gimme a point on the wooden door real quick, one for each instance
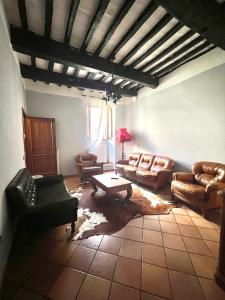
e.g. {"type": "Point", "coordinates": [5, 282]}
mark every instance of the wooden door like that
{"type": "Point", "coordinates": [40, 145]}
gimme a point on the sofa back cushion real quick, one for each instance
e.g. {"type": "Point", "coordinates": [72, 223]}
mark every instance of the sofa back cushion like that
{"type": "Point", "coordinates": [86, 159]}
{"type": "Point", "coordinates": [21, 191]}
{"type": "Point", "coordinates": [162, 162]}
{"type": "Point", "coordinates": [146, 161]}
{"type": "Point", "coordinates": [206, 172]}
{"type": "Point", "coordinates": [134, 159]}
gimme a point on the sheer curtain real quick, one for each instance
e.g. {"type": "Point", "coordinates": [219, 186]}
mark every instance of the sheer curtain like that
{"type": "Point", "coordinates": [97, 123]}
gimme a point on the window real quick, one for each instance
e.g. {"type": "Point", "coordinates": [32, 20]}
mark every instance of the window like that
{"type": "Point", "coordinates": [94, 115]}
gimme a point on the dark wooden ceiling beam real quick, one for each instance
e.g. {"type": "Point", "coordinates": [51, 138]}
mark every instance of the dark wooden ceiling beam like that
{"type": "Point", "coordinates": [72, 15]}
{"type": "Point", "coordinates": [95, 22]}
{"type": "Point", "coordinates": [163, 22]}
{"type": "Point", "coordinates": [176, 54]}
{"type": "Point", "coordinates": [182, 59]}
{"type": "Point", "coordinates": [70, 80]}
{"type": "Point", "coordinates": [122, 13]}
{"type": "Point", "coordinates": [158, 44]}
{"type": "Point", "coordinates": [192, 58]}
{"type": "Point", "coordinates": [150, 9]}
{"type": "Point", "coordinates": [33, 44]}
{"type": "Point", "coordinates": [203, 16]}
{"type": "Point", "coordinates": [23, 14]}
{"type": "Point", "coordinates": [48, 17]}
{"type": "Point", "coordinates": [177, 43]}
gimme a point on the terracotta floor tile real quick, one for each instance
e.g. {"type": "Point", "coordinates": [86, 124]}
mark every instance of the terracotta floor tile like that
{"type": "Point", "coordinates": [196, 246]}
{"type": "Point", "coordinates": [154, 255]}
{"type": "Point", "coordinates": [187, 230]}
{"type": "Point", "coordinates": [179, 211]}
{"type": "Point", "coordinates": [155, 280]}
{"type": "Point", "coordinates": [94, 288]}
{"type": "Point", "coordinates": [133, 233]}
{"type": "Point", "coordinates": [211, 289]}
{"type": "Point", "coordinates": [18, 272]}
{"type": "Point", "coordinates": [110, 244]}
{"type": "Point", "coordinates": [167, 218]}
{"type": "Point", "coordinates": [121, 292]}
{"type": "Point", "coordinates": [205, 266]}
{"type": "Point", "coordinates": [62, 252]}
{"type": "Point", "coordinates": [185, 286]}
{"type": "Point", "coordinates": [152, 237]}
{"type": "Point", "coordinates": [173, 241]}
{"type": "Point", "coordinates": [81, 259]}
{"type": "Point", "coordinates": [136, 222]}
{"type": "Point", "coordinates": [92, 242]}
{"type": "Point", "coordinates": [151, 224]}
{"type": "Point", "coordinates": [128, 272]}
{"type": "Point", "coordinates": [179, 261]}
{"type": "Point", "coordinates": [103, 265]}
{"type": "Point", "coordinates": [42, 280]}
{"type": "Point", "coordinates": [27, 295]}
{"type": "Point", "coordinates": [215, 225]}
{"type": "Point", "coordinates": [209, 234]}
{"type": "Point", "coordinates": [169, 227]}
{"type": "Point", "coordinates": [193, 213]}
{"type": "Point", "coordinates": [152, 217]}
{"type": "Point", "coordinates": [67, 285]}
{"type": "Point", "coordinates": [131, 249]}
{"type": "Point", "coordinates": [119, 233]}
{"type": "Point", "coordinates": [184, 220]}
{"type": "Point", "coordinates": [201, 222]}
{"type": "Point", "coordinates": [147, 296]}
{"type": "Point", "coordinates": [8, 290]}
{"type": "Point", "coordinates": [213, 247]}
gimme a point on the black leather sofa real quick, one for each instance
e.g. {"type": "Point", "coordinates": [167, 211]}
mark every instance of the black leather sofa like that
{"type": "Point", "coordinates": [41, 203]}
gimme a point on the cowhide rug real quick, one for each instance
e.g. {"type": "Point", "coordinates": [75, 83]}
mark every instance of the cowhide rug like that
{"type": "Point", "coordinates": [99, 214]}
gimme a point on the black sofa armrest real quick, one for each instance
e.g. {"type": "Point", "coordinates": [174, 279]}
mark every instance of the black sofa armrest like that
{"type": "Point", "coordinates": [46, 180]}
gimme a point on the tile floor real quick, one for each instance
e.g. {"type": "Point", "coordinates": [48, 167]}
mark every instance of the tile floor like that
{"type": "Point", "coordinates": [154, 257]}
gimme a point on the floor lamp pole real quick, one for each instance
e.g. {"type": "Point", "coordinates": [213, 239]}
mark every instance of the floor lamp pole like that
{"type": "Point", "coordinates": [123, 156]}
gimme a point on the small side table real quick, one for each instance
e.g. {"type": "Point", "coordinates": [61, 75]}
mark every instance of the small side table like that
{"type": "Point", "coordinates": [220, 272]}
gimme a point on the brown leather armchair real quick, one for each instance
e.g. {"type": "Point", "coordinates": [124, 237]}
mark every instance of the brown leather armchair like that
{"type": "Point", "coordinates": [88, 166]}
{"type": "Point", "coordinates": [199, 188]}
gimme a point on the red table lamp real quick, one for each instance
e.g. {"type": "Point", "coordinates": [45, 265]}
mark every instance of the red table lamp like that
{"type": "Point", "coordinates": [122, 136]}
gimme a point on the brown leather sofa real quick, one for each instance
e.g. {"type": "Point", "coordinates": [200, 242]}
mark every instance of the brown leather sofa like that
{"type": "Point", "coordinates": [149, 169]}
{"type": "Point", "coordinates": [88, 166]}
{"type": "Point", "coordinates": [199, 188]}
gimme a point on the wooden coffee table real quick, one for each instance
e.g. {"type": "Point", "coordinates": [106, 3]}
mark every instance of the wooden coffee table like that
{"type": "Point", "coordinates": [112, 184]}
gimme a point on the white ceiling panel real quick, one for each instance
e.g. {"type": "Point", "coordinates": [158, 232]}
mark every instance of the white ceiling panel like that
{"type": "Point", "coordinates": [36, 15]}
{"type": "Point", "coordinates": [24, 59]}
{"type": "Point", "coordinates": [12, 11]}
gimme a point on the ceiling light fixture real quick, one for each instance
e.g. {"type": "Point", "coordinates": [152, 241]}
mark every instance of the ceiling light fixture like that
{"type": "Point", "coordinates": [112, 95]}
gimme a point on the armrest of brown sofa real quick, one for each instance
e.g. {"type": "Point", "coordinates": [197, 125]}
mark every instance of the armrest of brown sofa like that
{"type": "Point", "coordinates": [214, 186]}
{"type": "Point", "coordinates": [122, 161]}
{"type": "Point", "coordinates": [182, 176]}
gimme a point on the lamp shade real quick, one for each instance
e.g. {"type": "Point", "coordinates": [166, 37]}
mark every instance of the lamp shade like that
{"type": "Point", "coordinates": [123, 135]}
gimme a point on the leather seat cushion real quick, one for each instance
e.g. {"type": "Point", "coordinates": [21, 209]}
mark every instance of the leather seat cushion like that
{"type": "Point", "coordinates": [92, 169]}
{"type": "Point", "coordinates": [130, 169]}
{"type": "Point", "coordinates": [120, 166]}
{"type": "Point", "coordinates": [148, 175]}
{"type": "Point", "coordinates": [189, 191]}
{"type": "Point", "coordinates": [53, 189]}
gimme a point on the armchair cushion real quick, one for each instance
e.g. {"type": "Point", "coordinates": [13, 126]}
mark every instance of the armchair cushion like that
{"type": "Point", "coordinates": [188, 190]}
{"type": "Point", "coordinates": [146, 161]}
{"type": "Point", "coordinates": [161, 162]}
{"type": "Point", "coordinates": [134, 159]}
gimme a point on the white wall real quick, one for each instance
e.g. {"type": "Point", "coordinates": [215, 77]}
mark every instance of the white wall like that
{"type": "Point", "coordinates": [185, 122]}
{"type": "Point", "coordinates": [12, 99]}
{"type": "Point", "coordinates": [69, 114]}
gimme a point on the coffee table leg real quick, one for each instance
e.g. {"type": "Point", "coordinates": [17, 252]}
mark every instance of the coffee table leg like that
{"type": "Point", "coordinates": [129, 193]}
